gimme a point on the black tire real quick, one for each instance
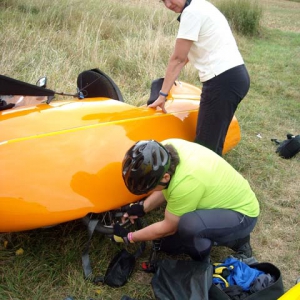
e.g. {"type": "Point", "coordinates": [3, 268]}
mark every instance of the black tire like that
{"type": "Point", "coordinates": [107, 219]}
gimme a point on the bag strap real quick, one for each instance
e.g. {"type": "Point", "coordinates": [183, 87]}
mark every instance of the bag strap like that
{"type": "Point", "coordinates": [86, 262]}
{"type": "Point", "coordinates": [141, 247]}
{"type": "Point", "coordinates": [277, 142]}
{"type": "Point", "coordinates": [289, 136]}
{"type": "Point", "coordinates": [150, 266]}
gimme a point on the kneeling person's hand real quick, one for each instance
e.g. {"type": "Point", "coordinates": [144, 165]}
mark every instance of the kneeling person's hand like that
{"type": "Point", "coordinates": [120, 234]}
{"type": "Point", "coordinates": [136, 210]}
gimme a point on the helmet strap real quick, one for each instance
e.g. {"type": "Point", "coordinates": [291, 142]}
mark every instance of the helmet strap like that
{"type": "Point", "coordinates": [165, 184]}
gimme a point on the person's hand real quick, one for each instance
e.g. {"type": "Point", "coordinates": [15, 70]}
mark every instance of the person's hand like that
{"type": "Point", "coordinates": [159, 102]}
{"type": "Point", "coordinates": [136, 209]}
{"type": "Point", "coordinates": [120, 234]}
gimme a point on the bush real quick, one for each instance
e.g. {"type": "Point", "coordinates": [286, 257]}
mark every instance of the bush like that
{"type": "Point", "coordinates": [243, 15]}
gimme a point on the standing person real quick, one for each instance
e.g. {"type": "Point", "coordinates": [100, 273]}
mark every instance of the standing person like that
{"type": "Point", "coordinates": [206, 41]}
{"type": "Point", "coordinates": [207, 201]}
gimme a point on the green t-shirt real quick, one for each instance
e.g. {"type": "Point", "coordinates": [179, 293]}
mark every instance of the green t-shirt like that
{"type": "Point", "coordinates": [204, 180]}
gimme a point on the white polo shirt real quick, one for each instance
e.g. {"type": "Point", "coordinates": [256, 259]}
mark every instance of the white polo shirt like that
{"type": "Point", "coordinates": [214, 50]}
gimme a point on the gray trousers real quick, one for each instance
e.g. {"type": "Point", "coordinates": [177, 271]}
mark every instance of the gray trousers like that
{"type": "Point", "coordinates": [199, 230]}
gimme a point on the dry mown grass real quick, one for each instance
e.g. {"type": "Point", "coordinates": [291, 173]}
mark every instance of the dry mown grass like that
{"type": "Point", "coordinates": [282, 15]}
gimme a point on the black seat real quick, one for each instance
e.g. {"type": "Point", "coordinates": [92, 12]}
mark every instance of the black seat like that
{"type": "Point", "coordinates": [155, 88]}
{"type": "Point", "coordinates": [95, 83]}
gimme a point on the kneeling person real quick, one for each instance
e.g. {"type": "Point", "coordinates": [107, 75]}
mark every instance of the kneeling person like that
{"type": "Point", "coordinates": [208, 201]}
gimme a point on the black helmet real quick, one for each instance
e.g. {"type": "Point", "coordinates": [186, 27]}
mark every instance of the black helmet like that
{"type": "Point", "coordinates": [144, 165]}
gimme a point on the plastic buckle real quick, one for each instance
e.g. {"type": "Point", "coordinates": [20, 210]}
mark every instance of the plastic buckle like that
{"type": "Point", "coordinates": [148, 267]}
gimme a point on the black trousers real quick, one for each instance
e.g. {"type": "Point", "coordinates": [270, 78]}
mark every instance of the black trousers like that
{"type": "Point", "coordinates": [220, 98]}
{"type": "Point", "coordinates": [199, 230]}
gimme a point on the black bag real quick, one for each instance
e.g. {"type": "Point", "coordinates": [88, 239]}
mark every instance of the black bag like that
{"type": "Point", "coordinates": [288, 148]}
{"type": "Point", "coordinates": [119, 269]}
{"type": "Point", "coordinates": [121, 266]}
{"type": "Point", "coordinates": [182, 279]}
{"type": "Point", "coordinates": [272, 292]}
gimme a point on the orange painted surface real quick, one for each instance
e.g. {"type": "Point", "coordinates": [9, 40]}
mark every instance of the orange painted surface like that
{"type": "Point", "coordinates": [59, 162]}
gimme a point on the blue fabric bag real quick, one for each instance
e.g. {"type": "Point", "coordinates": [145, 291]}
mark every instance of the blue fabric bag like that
{"type": "Point", "coordinates": [272, 292]}
{"type": "Point", "coordinates": [239, 273]}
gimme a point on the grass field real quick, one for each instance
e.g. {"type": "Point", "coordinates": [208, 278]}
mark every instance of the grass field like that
{"type": "Point", "coordinates": [131, 41]}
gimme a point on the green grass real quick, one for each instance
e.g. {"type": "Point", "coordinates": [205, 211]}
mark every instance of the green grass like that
{"type": "Point", "coordinates": [131, 41]}
{"type": "Point", "coordinates": [244, 16]}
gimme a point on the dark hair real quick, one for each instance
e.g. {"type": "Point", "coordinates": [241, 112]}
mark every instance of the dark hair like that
{"type": "Point", "coordinates": [175, 160]}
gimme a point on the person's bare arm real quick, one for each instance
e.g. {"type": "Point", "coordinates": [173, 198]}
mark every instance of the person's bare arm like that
{"type": "Point", "coordinates": [176, 62]}
{"type": "Point", "coordinates": [153, 201]}
{"type": "Point", "coordinates": [157, 230]}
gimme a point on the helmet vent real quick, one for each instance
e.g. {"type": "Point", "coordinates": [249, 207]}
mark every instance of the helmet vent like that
{"type": "Point", "coordinates": [154, 160]}
{"type": "Point", "coordinates": [137, 163]}
{"type": "Point", "coordinates": [127, 164]}
{"type": "Point", "coordinates": [139, 150]}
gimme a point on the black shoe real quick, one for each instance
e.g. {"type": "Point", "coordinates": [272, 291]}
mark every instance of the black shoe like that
{"type": "Point", "coordinates": [242, 246]}
{"type": "Point", "coordinates": [247, 260]}
{"type": "Point", "coordinates": [244, 254]}
{"type": "Point", "coordinates": [244, 250]}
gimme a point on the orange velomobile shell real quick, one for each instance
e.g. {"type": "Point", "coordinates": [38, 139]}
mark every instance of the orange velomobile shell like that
{"type": "Point", "coordinates": [61, 161]}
